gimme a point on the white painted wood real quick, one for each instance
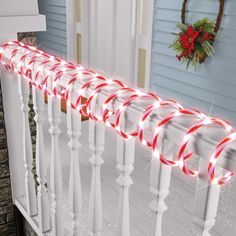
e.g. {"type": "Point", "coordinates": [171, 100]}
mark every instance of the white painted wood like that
{"type": "Point", "coordinates": [125, 162]}
{"type": "Point", "coordinates": [75, 195]}
{"type": "Point", "coordinates": [42, 195]}
{"type": "Point", "coordinates": [96, 137]}
{"type": "Point", "coordinates": [139, 17]}
{"type": "Point", "coordinates": [14, 130]}
{"type": "Point", "coordinates": [125, 167]}
{"type": "Point", "coordinates": [144, 36]}
{"type": "Point", "coordinates": [14, 7]}
{"type": "Point", "coordinates": [84, 32]}
{"type": "Point", "coordinates": [30, 220]}
{"type": "Point", "coordinates": [159, 186]}
{"type": "Point", "coordinates": [106, 28]}
{"type": "Point", "coordinates": [16, 16]}
{"type": "Point", "coordinates": [149, 27]}
{"type": "Point", "coordinates": [206, 202]}
{"type": "Point", "coordinates": [109, 37]}
{"type": "Point", "coordinates": [92, 38]}
{"type": "Point", "coordinates": [10, 24]}
{"type": "Point", "coordinates": [54, 112]}
{"type": "Point", "coordinates": [30, 192]}
{"type": "Point", "coordinates": [71, 30]}
{"type": "Point", "coordinates": [126, 18]}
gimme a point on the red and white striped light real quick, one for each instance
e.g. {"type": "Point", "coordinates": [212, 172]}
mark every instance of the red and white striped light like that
{"type": "Point", "coordinates": [45, 71]}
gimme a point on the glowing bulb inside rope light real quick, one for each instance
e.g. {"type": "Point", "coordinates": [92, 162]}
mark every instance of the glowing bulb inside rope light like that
{"type": "Point", "coordinates": [104, 106]}
{"type": "Point", "coordinates": [177, 113]}
{"type": "Point", "coordinates": [140, 93]}
{"type": "Point", "coordinates": [40, 68]}
{"type": "Point", "coordinates": [181, 164]}
{"type": "Point", "coordinates": [156, 104]}
{"type": "Point", "coordinates": [186, 138]}
{"type": "Point", "coordinates": [232, 136]}
{"type": "Point", "coordinates": [141, 124]}
{"type": "Point", "coordinates": [207, 121]}
{"type": "Point", "coordinates": [122, 108]}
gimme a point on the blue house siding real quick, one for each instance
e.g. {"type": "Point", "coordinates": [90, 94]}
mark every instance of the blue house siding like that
{"type": "Point", "coordinates": [212, 86]}
{"type": "Point", "coordinates": [54, 39]}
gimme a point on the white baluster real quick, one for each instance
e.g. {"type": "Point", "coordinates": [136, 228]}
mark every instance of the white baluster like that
{"type": "Point", "coordinates": [96, 136]}
{"type": "Point", "coordinates": [30, 191]}
{"type": "Point", "coordinates": [125, 162]}
{"type": "Point", "coordinates": [75, 196]}
{"type": "Point", "coordinates": [159, 186]}
{"type": "Point", "coordinates": [54, 105]}
{"type": "Point", "coordinates": [206, 202]}
{"type": "Point", "coordinates": [43, 201]}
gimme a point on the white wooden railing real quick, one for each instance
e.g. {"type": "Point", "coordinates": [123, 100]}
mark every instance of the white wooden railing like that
{"type": "Point", "coordinates": [44, 206]}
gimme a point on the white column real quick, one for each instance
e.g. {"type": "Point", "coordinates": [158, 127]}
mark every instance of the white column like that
{"type": "Point", "coordinates": [43, 198]}
{"type": "Point", "coordinates": [96, 136]}
{"type": "Point", "coordinates": [75, 196]}
{"type": "Point", "coordinates": [31, 202]}
{"type": "Point", "coordinates": [206, 202]}
{"type": "Point", "coordinates": [92, 35]}
{"type": "Point", "coordinates": [159, 186]}
{"type": "Point", "coordinates": [54, 105]}
{"type": "Point", "coordinates": [125, 38]}
{"type": "Point", "coordinates": [125, 162]}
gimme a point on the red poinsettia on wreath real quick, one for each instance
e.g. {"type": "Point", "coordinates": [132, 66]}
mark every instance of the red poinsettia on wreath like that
{"type": "Point", "coordinates": [194, 43]}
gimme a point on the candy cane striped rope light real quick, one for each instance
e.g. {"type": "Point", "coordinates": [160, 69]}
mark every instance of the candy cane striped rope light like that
{"type": "Point", "coordinates": [45, 71]}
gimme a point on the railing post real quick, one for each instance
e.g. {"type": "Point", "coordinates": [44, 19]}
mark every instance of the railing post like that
{"type": "Point", "coordinates": [14, 129]}
{"type": "Point", "coordinates": [31, 202]}
{"type": "Point", "coordinates": [43, 201]}
{"type": "Point", "coordinates": [96, 136]}
{"type": "Point", "coordinates": [75, 196]}
{"type": "Point", "coordinates": [125, 162]}
{"type": "Point", "coordinates": [160, 177]}
{"type": "Point", "coordinates": [206, 202]}
{"type": "Point", "coordinates": [54, 105]}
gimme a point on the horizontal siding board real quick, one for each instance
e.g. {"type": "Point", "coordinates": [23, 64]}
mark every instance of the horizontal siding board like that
{"type": "Point", "coordinates": [227, 43]}
{"type": "Point", "coordinates": [214, 86]}
{"type": "Point", "coordinates": [57, 17]}
{"type": "Point", "coordinates": [182, 97]}
{"type": "Point", "coordinates": [205, 95]}
{"type": "Point", "coordinates": [170, 27]}
{"type": "Point", "coordinates": [218, 61]}
{"type": "Point", "coordinates": [54, 39]}
{"type": "Point", "coordinates": [53, 9]}
{"type": "Point", "coordinates": [214, 76]}
{"type": "Point", "coordinates": [205, 70]}
{"type": "Point", "coordinates": [56, 25]}
{"type": "Point", "coordinates": [205, 6]}
{"type": "Point", "coordinates": [56, 32]}
{"type": "Point", "coordinates": [212, 82]}
{"type": "Point", "coordinates": [52, 46]}
{"type": "Point", "coordinates": [60, 3]}
{"type": "Point", "coordinates": [225, 35]}
{"type": "Point", "coordinates": [174, 16]}
{"type": "Point", "coordinates": [51, 51]}
{"type": "Point", "coordinates": [221, 48]}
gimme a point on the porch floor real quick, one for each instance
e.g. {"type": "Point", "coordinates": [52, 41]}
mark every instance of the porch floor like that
{"type": "Point", "coordinates": [177, 219]}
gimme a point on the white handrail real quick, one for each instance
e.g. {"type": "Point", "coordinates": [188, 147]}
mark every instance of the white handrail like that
{"type": "Point", "coordinates": [173, 131]}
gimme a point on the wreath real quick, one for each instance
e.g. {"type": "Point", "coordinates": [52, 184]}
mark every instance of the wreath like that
{"type": "Point", "coordinates": [194, 43]}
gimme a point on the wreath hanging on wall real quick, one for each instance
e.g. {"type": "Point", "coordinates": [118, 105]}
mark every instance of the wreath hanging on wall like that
{"type": "Point", "coordinates": [194, 43]}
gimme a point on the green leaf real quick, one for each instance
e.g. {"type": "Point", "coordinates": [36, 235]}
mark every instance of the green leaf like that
{"type": "Point", "coordinates": [182, 27]}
